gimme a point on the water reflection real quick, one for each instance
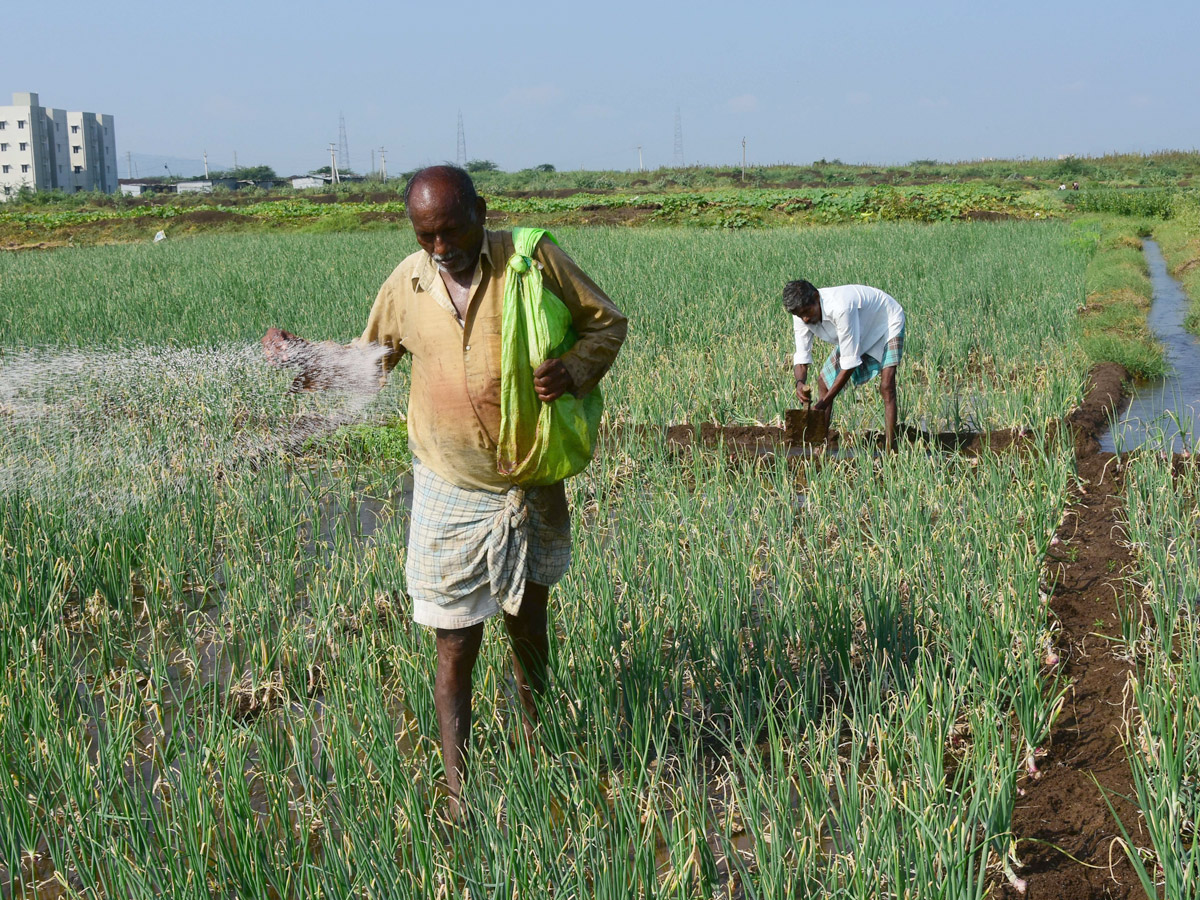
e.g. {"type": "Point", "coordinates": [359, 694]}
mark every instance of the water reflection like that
{"type": "Point", "coordinates": [1164, 412]}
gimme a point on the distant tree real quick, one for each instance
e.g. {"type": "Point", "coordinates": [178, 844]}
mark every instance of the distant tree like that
{"type": "Point", "coordinates": [324, 170]}
{"type": "Point", "coordinates": [255, 173]}
{"type": "Point", "coordinates": [246, 173]}
{"type": "Point", "coordinates": [544, 167]}
{"type": "Point", "coordinates": [482, 165]}
{"type": "Point", "coordinates": [1070, 166]}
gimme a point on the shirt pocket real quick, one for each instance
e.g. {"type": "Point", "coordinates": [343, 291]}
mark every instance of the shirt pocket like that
{"type": "Point", "coordinates": [487, 333]}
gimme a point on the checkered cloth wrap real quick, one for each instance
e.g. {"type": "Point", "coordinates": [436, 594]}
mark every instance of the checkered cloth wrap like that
{"type": "Point", "coordinates": [870, 366]}
{"type": "Point", "coordinates": [461, 539]}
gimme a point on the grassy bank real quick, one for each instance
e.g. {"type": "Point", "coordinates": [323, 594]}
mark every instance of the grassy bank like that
{"type": "Point", "coordinates": [1180, 242]}
{"type": "Point", "coordinates": [1118, 295]}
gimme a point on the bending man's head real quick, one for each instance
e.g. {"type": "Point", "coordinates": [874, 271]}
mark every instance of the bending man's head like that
{"type": "Point", "coordinates": [447, 216]}
{"type": "Point", "coordinates": [802, 300]}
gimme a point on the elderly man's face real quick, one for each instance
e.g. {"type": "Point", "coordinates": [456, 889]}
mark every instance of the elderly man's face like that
{"type": "Point", "coordinates": [448, 230]}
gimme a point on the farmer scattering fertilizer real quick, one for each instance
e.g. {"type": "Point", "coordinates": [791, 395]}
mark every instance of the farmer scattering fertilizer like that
{"type": "Point", "coordinates": [490, 528]}
{"type": "Point", "coordinates": [865, 327]}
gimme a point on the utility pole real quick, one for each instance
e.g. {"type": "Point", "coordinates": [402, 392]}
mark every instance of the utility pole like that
{"type": "Point", "coordinates": [639, 150]}
{"type": "Point", "coordinates": [743, 160]}
{"type": "Point", "coordinates": [343, 143]}
{"type": "Point", "coordinates": [333, 172]}
{"type": "Point", "coordinates": [678, 139]}
{"type": "Point", "coordinates": [235, 162]}
{"type": "Point", "coordinates": [129, 162]}
{"type": "Point", "coordinates": [372, 160]}
{"type": "Point", "coordinates": [383, 162]}
{"type": "Point", "coordinates": [460, 156]}
{"type": "Point", "coordinates": [206, 165]}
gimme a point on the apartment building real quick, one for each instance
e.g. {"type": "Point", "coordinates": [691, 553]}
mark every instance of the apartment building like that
{"type": "Point", "coordinates": [49, 149]}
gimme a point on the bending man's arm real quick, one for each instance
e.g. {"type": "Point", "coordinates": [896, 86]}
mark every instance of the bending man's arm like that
{"type": "Point", "coordinates": [802, 359]}
{"type": "Point", "coordinates": [803, 391]}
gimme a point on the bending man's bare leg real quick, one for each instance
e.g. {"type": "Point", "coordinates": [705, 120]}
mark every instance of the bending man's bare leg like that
{"type": "Point", "coordinates": [890, 394]}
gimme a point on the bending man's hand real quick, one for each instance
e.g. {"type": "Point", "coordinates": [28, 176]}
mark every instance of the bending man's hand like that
{"type": "Point", "coordinates": [804, 394]}
{"type": "Point", "coordinates": [551, 380]}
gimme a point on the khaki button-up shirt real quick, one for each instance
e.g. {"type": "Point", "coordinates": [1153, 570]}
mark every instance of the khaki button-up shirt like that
{"type": "Point", "coordinates": [454, 402]}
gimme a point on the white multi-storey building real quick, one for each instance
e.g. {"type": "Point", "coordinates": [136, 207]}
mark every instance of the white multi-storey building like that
{"type": "Point", "coordinates": [51, 149]}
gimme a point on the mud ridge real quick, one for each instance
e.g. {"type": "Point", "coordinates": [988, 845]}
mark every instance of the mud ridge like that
{"type": "Point", "coordinates": [1064, 814]}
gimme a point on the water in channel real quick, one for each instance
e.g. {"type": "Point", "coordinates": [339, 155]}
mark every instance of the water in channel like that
{"type": "Point", "coordinates": [1165, 412]}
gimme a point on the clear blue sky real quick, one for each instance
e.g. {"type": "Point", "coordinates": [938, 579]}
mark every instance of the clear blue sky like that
{"type": "Point", "coordinates": [584, 84]}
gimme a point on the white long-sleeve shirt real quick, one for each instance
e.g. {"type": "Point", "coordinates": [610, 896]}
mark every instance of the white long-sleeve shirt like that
{"type": "Point", "coordinates": [856, 319]}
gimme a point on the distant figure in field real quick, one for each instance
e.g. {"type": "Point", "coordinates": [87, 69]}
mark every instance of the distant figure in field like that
{"type": "Point", "coordinates": [865, 327]}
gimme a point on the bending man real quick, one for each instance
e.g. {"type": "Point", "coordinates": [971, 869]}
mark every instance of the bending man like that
{"type": "Point", "coordinates": [478, 545]}
{"type": "Point", "coordinates": [865, 327]}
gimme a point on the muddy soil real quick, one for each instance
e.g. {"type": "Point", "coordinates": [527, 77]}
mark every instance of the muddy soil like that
{"type": "Point", "coordinates": [1064, 814]}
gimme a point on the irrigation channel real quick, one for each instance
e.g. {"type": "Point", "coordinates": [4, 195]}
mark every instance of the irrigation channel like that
{"type": "Point", "coordinates": [1163, 412]}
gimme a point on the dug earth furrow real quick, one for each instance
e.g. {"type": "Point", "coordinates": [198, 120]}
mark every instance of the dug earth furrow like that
{"type": "Point", "coordinates": [1067, 837]}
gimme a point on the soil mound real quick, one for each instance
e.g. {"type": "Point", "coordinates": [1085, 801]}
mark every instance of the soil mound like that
{"type": "Point", "coordinates": [209, 217]}
{"type": "Point", "coordinates": [1101, 402]}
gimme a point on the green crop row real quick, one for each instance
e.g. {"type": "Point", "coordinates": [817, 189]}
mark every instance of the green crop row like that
{"type": "Point", "coordinates": [709, 338]}
{"type": "Point", "coordinates": [1162, 634]}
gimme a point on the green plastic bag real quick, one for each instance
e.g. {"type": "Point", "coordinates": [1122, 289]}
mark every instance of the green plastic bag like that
{"type": "Point", "coordinates": [540, 443]}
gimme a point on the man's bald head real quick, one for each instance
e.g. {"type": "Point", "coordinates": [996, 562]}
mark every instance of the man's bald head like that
{"type": "Point", "coordinates": [447, 217]}
{"type": "Point", "coordinates": [443, 184]}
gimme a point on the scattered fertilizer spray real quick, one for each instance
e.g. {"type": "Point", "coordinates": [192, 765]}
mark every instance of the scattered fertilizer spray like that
{"type": "Point", "coordinates": [107, 427]}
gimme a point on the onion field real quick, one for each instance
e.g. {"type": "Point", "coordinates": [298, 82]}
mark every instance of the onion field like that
{"type": "Point", "coordinates": [771, 677]}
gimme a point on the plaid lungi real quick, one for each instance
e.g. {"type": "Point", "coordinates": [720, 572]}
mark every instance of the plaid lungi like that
{"type": "Point", "coordinates": [461, 540]}
{"type": "Point", "coordinates": [870, 366]}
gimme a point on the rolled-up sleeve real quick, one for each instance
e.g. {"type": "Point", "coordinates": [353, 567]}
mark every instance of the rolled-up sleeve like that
{"type": "Point", "coordinates": [385, 326]}
{"type": "Point", "coordinates": [804, 342]}
{"type": "Point", "coordinates": [601, 326]}
{"type": "Point", "coordinates": [849, 339]}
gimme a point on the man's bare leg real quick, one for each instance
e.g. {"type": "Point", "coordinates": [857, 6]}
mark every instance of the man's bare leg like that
{"type": "Point", "coordinates": [457, 650]}
{"type": "Point", "coordinates": [889, 393]}
{"type": "Point", "coordinates": [530, 640]}
{"type": "Point", "coordinates": [822, 389]}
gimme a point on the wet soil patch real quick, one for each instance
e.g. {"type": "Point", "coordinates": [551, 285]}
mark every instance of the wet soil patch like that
{"type": "Point", "coordinates": [204, 217]}
{"type": "Point", "coordinates": [620, 215]}
{"type": "Point", "coordinates": [376, 215]}
{"type": "Point", "coordinates": [555, 193]}
{"type": "Point", "coordinates": [987, 215]}
{"type": "Point", "coordinates": [1102, 400]}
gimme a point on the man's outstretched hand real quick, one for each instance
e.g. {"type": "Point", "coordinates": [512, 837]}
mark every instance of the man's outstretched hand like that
{"type": "Point", "coordinates": [551, 380]}
{"type": "Point", "coordinates": [281, 346]}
